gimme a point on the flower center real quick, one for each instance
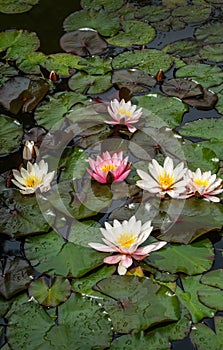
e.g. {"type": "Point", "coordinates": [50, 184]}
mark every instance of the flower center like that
{"type": "Point", "coordinates": [166, 181]}
{"type": "Point", "coordinates": [32, 181]}
{"type": "Point", "coordinates": [201, 182]}
{"type": "Point", "coordinates": [125, 112]}
{"type": "Point", "coordinates": [108, 167]}
{"type": "Point", "coordinates": [126, 239]}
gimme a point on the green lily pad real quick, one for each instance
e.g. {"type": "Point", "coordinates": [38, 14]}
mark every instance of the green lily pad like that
{"type": "Point", "coordinates": [183, 48]}
{"type": "Point", "coordinates": [212, 52]}
{"type": "Point", "coordinates": [17, 43]}
{"type": "Point", "coordinates": [52, 293]}
{"type": "Point", "coordinates": [24, 333]}
{"type": "Point", "coordinates": [61, 62]}
{"type": "Point", "coordinates": [112, 6]}
{"type": "Point", "coordinates": [89, 84]}
{"type": "Point", "coordinates": [48, 253]}
{"type": "Point", "coordinates": [96, 65]}
{"type": "Point", "coordinates": [199, 258]}
{"type": "Point", "coordinates": [30, 63]}
{"type": "Point", "coordinates": [153, 13]}
{"type": "Point", "coordinates": [15, 6]}
{"type": "Point", "coordinates": [157, 303]}
{"type": "Point", "coordinates": [206, 75]}
{"type": "Point", "coordinates": [148, 60]}
{"type": "Point", "coordinates": [106, 23]}
{"type": "Point", "coordinates": [162, 110]}
{"type": "Point", "coordinates": [213, 278]}
{"type": "Point", "coordinates": [192, 14]}
{"type": "Point", "coordinates": [204, 128]}
{"type": "Point", "coordinates": [140, 341]}
{"type": "Point", "coordinates": [74, 164]}
{"type": "Point", "coordinates": [10, 134]}
{"type": "Point", "coordinates": [203, 337]}
{"type": "Point", "coordinates": [83, 322]}
{"type": "Point", "coordinates": [189, 298]}
{"type": "Point", "coordinates": [135, 80]}
{"type": "Point", "coordinates": [216, 146]}
{"type": "Point", "coordinates": [212, 297]}
{"type": "Point", "coordinates": [20, 215]}
{"type": "Point", "coordinates": [82, 232]}
{"type": "Point", "coordinates": [191, 220]}
{"type": "Point", "coordinates": [16, 277]}
{"type": "Point", "coordinates": [6, 72]}
{"type": "Point", "coordinates": [51, 113]}
{"type": "Point", "coordinates": [133, 32]}
{"type": "Point", "coordinates": [83, 42]}
{"type": "Point", "coordinates": [209, 33]}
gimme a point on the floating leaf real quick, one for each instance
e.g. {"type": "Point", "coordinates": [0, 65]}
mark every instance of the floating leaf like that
{"type": "Point", "coordinates": [112, 6]}
{"type": "Point", "coordinates": [206, 101]}
{"type": "Point", "coordinates": [83, 322]}
{"type": "Point", "coordinates": [148, 60]}
{"type": "Point", "coordinates": [62, 62]}
{"type": "Point", "coordinates": [10, 134]}
{"type": "Point", "coordinates": [209, 33]}
{"type": "Point", "coordinates": [182, 88]}
{"type": "Point", "coordinates": [16, 6]}
{"type": "Point", "coordinates": [192, 14]}
{"type": "Point", "coordinates": [212, 52]}
{"type": "Point", "coordinates": [162, 110]}
{"type": "Point", "coordinates": [51, 293]}
{"type": "Point", "coordinates": [189, 298]}
{"type": "Point", "coordinates": [16, 277]}
{"type": "Point", "coordinates": [212, 297]}
{"type": "Point", "coordinates": [153, 13]}
{"type": "Point", "coordinates": [199, 257]}
{"type": "Point", "coordinates": [6, 72]}
{"type": "Point", "coordinates": [140, 341]}
{"type": "Point", "coordinates": [183, 48]}
{"type": "Point", "coordinates": [158, 304]}
{"type": "Point", "coordinates": [89, 84]}
{"type": "Point", "coordinates": [203, 337]}
{"type": "Point", "coordinates": [18, 43]}
{"type": "Point", "coordinates": [135, 80]}
{"type": "Point", "coordinates": [83, 42]}
{"type": "Point", "coordinates": [216, 146]}
{"type": "Point", "coordinates": [133, 32]}
{"type": "Point", "coordinates": [31, 63]}
{"type": "Point", "coordinates": [204, 128]}
{"type": "Point", "coordinates": [20, 215]}
{"type": "Point", "coordinates": [73, 165]}
{"type": "Point", "coordinates": [104, 22]}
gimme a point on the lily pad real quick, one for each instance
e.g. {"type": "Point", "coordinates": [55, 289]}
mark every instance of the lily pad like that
{"type": "Point", "coordinates": [16, 277]}
{"type": "Point", "coordinates": [15, 6]}
{"type": "Point", "coordinates": [133, 32]}
{"type": "Point", "coordinates": [212, 297]}
{"type": "Point", "coordinates": [207, 101]}
{"type": "Point", "coordinates": [189, 298]}
{"type": "Point", "coordinates": [158, 304]}
{"type": "Point", "coordinates": [182, 88]}
{"type": "Point", "coordinates": [17, 43]}
{"type": "Point", "coordinates": [89, 84]}
{"type": "Point", "coordinates": [204, 128]}
{"type": "Point", "coordinates": [148, 60]}
{"type": "Point", "coordinates": [83, 42]}
{"type": "Point", "coordinates": [10, 134]}
{"type": "Point", "coordinates": [107, 4]}
{"type": "Point", "coordinates": [140, 341]}
{"type": "Point", "coordinates": [163, 110]}
{"type": "Point", "coordinates": [209, 33]}
{"type": "Point", "coordinates": [183, 48]}
{"type": "Point", "coordinates": [50, 293]}
{"type": "Point", "coordinates": [106, 23]}
{"type": "Point", "coordinates": [199, 257]}
{"type": "Point", "coordinates": [203, 337]}
{"type": "Point", "coordinates": [61, 62]}
{"type": "Point", "coordinates": [6, 72]}
{"type": "Point", "coordinates": [135, 80]}
{"type": "Point", "coordinates": [192, 14]}
{"type": "Point", "coordinates": [206, 75]}
{"type": "Point", "coordinates": [212, 52]}
{"type": "Point", "coordinates": [74, 164]}
{"type": "Point", "coordinates": [83, 322]}
{"type": "Point", "coordinates": [20, 215]}
{"type": "Point", "coordinates": [96, 65]}
{"type": "Point", "coordinates": [31, 63]}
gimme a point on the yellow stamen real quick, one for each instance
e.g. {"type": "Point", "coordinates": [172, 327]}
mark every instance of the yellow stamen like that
{"type": "Point", "coordinates": [125, 112]}
{"type": "Point", "coordinates": [201, 182]}
{"type": "Point", "coordinates": [108, 167]}
{"type": "Point", "coordinates": [126, 239]}
{"type": "Point", "coordinates": [32, 181]}
{"type": "Point", "coordinates": [166, 181]}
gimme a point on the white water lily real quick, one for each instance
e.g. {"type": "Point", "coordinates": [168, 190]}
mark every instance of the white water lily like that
{"type": "Point", "coordinates": [124, 113]}
{"type": "Point", "coordinates": [163, 179]}
{"type": "Point", "coordinates": [30, 151]}
{"type": "Point", "coordinates": [34, 177]}
{"type": "Point", "coordinates": [124, 239]}
{"type": "Point", "coordinates": [203, 184]}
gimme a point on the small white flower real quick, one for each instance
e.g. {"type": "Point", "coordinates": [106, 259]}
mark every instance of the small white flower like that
{"type": "Point", "coordinates": [30, 151]}
{"type": "Point", "coordinates": [124, 113]}
{"type": "Point", "coordinates": [203, 184]}
{"type": "Point", "coordinates": [163, 179]}
{"type": "Point", "coordinates": [34, 177]}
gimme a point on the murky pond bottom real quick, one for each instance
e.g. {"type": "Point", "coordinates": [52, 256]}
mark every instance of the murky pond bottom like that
{"type": "Point", "coordinates": [56, 85]}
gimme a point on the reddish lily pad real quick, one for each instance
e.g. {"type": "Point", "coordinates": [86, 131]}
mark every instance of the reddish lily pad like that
{"type": "Point", "coordinates": [182, 88]}
{"type": "Point", "coordinates": [135, 80]}
{"type": "Point", "coordinates": [83, 42]}
{"type": "Point", "coordinates": [207, 101]}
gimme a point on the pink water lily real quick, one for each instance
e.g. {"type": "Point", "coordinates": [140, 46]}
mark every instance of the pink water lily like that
{"type": "Point", "coordinates": [203, 184]}
{"type": "Point", "coordinates": [163, 179]}
{"type": "Point", "coordinates": [124, 113]}
{"type": "Point", "coordinates": [109, 168]}
{"type": "Point", "coordinates": [124, 239]}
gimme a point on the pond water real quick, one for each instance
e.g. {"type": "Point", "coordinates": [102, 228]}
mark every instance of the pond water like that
{"type": "Point", "coordinates": [173, 298]}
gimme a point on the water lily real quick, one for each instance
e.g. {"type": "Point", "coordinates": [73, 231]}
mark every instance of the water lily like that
{"type": "Point", "coordinates": [203, 184]}
{"type": "Point", "coordinates": [30, 151]}
{"type": "Point", "coordinates": [124, 113]}
{"type": "Point", "coordinates": [109, 168]}
{"type": "Point", "coordinates": [34, 177]}
{"type": "Point", "coordinates": [163, 179]}
{"type": "Point", "coordinates": [124, 239]}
